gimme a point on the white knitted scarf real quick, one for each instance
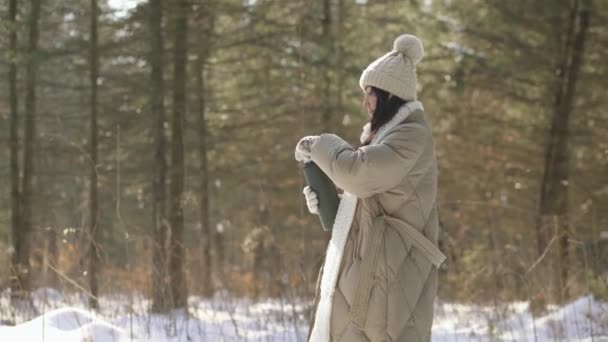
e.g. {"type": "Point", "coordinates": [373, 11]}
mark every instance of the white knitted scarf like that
{"type": "Point", "coordinates": [340, 230]}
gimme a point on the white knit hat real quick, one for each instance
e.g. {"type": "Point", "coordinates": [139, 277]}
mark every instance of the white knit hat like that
{"type": "Point", "coordinates": [395, 72]}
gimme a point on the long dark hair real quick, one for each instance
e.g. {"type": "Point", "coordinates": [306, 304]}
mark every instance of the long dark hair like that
{"type": "Point", "coordinates": [386, 108]}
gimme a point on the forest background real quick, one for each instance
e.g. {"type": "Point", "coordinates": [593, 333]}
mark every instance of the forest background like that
{"type": "Point", "coordinates": [148, 148]}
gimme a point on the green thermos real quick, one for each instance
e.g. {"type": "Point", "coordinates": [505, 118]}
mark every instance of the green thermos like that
{"type": "Point", "coordinates": [326, 191]}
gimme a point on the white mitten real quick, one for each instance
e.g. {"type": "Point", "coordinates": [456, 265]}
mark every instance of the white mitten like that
{"type": "Point", "coordinates": [311, 200]}
{"type": "Point", "coordinates": [302, 152]}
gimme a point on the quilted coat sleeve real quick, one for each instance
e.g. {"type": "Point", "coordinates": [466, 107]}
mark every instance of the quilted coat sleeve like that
{"type": "Point", "coordinates": [371, 169]}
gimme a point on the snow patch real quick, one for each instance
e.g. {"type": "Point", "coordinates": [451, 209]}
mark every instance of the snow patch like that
{"type": "Point", "coordinates": [224, 318]}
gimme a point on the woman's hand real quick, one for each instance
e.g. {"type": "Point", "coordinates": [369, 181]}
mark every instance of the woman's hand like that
{"type": "Point", "coordinates": [304, 146]}
{"type": "Point", "coordinates": [311, 200]}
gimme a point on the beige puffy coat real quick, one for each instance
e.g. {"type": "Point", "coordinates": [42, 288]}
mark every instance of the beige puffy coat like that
{"type": "Point", "coordinates": [379, 280]}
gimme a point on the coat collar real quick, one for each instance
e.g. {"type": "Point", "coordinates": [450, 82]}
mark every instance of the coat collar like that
{"type": "Point", "coordinates": [402, 114]}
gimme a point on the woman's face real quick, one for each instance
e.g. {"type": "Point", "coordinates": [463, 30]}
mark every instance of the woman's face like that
{"type": "Point", "coordinates": [369, 101]}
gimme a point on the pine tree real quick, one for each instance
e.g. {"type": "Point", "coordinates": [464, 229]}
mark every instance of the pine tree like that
{"type": "Point", "coordinates": [176, 245]}
{"type": "Point", "coordinates": [94, 231]}
{"type": "Point", "coordinates": [159, 259]}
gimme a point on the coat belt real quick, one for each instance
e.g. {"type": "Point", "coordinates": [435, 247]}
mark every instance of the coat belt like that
{"type": "Point", "coordinates": [368, 267]}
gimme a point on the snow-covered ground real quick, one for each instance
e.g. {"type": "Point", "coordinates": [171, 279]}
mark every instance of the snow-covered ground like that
{"type": "Point", "coordinates": [581, 320]}
{"type": "Point", "coordinates": [125, 318]}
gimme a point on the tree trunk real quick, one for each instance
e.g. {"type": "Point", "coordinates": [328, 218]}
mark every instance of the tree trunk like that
{"type": "Point", "coordinates": [554, 190]}
{"type": "Point", "coordinates": [340, 19]}
{"type": "Point", "coordinates": [51, 256]}
{"type": "Point", "coordinates": [207, 287]}
{"type": "Point", "coordinates": [204, 186]}
{"type": "Point", "coordinates": [94, 240]}
{"type": "Point", "coordinates": [327, 42]}
{"type": "Point", "coordinates": [176, 247]}
{"type": "Point", "coordinates": [14, 149]}
{"type": "Point", "coordinates": [219, 250]}
{"type": "Point", "coordinates": [157, 95]}
{"type": "Point", "coordinates": [339, 70]}
{"type": "Point", "coordinates": [24, 236]}
{"type": "Point", "coordinates": [545, 223]}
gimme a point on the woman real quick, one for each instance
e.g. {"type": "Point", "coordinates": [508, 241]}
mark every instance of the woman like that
{"type": "Point", "coordinates": [379, 279]}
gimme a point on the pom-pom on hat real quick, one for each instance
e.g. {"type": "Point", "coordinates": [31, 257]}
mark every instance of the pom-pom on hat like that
{"type": "Point", "coordinates": [395, 72]}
